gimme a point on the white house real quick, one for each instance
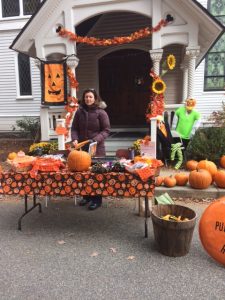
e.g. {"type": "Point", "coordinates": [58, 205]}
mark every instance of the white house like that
{"type": "Point", "coordinates": [119, 73]}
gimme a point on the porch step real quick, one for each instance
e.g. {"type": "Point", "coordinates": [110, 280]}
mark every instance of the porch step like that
{"type": "Point", "coordinates": [123, 139]}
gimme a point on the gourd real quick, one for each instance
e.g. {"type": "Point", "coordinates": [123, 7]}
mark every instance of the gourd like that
{"type": "Point", "coordinates": [219, 179]}
{"type": "Point", "coordinates": [78, 161]}
{"type": "Point", "coordinates": [159, 180]}
{"type": "Point", "coordinates": [208, 165]}
{"type": "Point", "coordinates": [181, 179]}
{"type": "Point", "coordinates": [200, 179]}
{"type": "Point", "coordinates": [191, 165]}
{"type": "Point", "coordinates": [222, 161]}
{"type": "Point", "coordinates": [169, 181]}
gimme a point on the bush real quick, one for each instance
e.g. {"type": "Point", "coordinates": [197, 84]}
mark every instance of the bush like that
{"type": "Point", "coordinates": [28, 127]}
{"type": "Point", "coordinates": [207, 143]}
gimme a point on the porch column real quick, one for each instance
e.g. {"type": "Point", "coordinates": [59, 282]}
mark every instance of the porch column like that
{"type": "Point", "coordinates": [44, 117]}
{"type": "Point", "coordinates": [72, 62]}
{"type": "Point", "coordinates": [156, 56]}
{"type": "Point", "coordinates": [184, 68]}
{"type": "Point", "coordinates": [192, 54]}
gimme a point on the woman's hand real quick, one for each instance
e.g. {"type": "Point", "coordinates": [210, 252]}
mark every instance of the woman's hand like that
{"type": "Point", "coordinates": [75, 142]}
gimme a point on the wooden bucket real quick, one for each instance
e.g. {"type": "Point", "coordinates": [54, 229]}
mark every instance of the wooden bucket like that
{"type": "Point", "coordinates": [173, 238]}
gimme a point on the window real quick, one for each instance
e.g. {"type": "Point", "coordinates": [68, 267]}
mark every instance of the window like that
{"type": "Point", "coordinates": [24, 75]}
{"type": "Point", "coordinates": [215, 60]}
{"type": "Point", "coordinates": [13, 8]}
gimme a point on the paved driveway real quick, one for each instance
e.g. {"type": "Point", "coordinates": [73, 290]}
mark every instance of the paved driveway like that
{"type": "Point", "coordinates": [68, 252]}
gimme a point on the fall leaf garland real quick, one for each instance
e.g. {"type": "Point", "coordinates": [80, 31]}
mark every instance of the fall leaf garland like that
{"type": "Point", "coordinates": [139, 34]}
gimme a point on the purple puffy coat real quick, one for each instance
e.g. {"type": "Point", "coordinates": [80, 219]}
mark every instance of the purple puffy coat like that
{"type": "Point", "coordinates": [91, 123]}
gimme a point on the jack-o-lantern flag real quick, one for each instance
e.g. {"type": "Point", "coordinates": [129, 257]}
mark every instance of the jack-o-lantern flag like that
{"type": "Point", "coordinates": [54, 83]}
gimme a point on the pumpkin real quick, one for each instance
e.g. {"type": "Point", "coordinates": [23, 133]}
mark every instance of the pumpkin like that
{"type": "Point", "coordinates": [181, 179]}
{"type": "Point", "coordinates": [191, 165]}
{"type": "Point", "coordinates": [170, 181]}
{"type": "Point", "coordinates": [212, 228]}
{"type": "Point", "coordinates": [208, 165]}
{"type": "Point", "coordinates": [222, 161]}
{"type": "Point", "coordinates": [78, 161]}
{"type": "Point", "coordinates": [200, 179]}
{"type": "Point", "coordinates": [159, 180]}
{"type": "Point", "coordinates": [219, 178]}
{"type": "Point", "coordinates": [12, 155]}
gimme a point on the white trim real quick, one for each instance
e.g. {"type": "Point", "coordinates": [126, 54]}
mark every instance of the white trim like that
{"type": "Point", "coordinates": [25, 98]}
{"type": "Point", "coordinates": [19, 116]}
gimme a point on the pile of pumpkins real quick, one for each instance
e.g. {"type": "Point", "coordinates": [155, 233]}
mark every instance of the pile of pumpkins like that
{"type": "Point", "coordinates": [202, 175]}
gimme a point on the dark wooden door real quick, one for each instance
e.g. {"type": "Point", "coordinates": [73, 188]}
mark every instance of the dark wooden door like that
{"type": "Point", "coordinates": [124, 83]}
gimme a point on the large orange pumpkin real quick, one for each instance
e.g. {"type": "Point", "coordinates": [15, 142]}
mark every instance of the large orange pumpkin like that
{"type": "Point", "coordinates": [191, 165]}
{"type": "Point", "coordinates": [212, 230]}
{"type": "Point", "coordinates": [181, 179]}
{"type": "Point", "coordinates": [208, 165]}
{"type": "Point", "coordinates": [200, 179]}
{"type": "Point", "coordinates": [169, 181]}
{"type": "Point", "coordinates": [219, 178]}
{"type": "Point", "coordinates": [222, 161]}
{"type": "Point", "coordinates": [79, 161]}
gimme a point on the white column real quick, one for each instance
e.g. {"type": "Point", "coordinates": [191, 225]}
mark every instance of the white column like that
{"type": "Point", "coordinates": [156, 56]}
{"type": "Point", "coordinates": [72, 62]}
{"type": "Point", "coordinates": [44, 121]}
{"type": "Point", "coordinates": [184, 68]}
{"type": "Point", "coordinates": [191, 53]}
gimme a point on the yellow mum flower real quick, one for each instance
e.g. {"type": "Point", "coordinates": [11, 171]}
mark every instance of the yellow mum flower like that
{"type": "Point", "coordinates": [171, 61]}
{"type": "Point", "coordinates": [158, 86]}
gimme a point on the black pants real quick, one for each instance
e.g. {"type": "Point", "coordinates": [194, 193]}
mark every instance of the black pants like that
{"type": "Point", "coordinates": [94, 199]}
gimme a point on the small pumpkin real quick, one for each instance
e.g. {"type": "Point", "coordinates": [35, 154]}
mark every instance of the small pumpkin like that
{"type": "Point", "coordinates": [219, 179]}
{"type": "Point", "coordinates": [12, 155]}
{"type": "Point", "coordinates": [200, 179]}
{"type": "Point", "coordinates": [207, 165]}
{"type": "Point", "coordinates": [78, 161]}
{"type": "Point", "coordinates": [191, 165]}
{"type": "Point", "coordinates": [222, 161]}
{"type": "Point", "coordinates": [170, 181]}
{"type": "Point", "coordinates": [159, 180]}
{"type": "Point", "coordinates": [181, 179]}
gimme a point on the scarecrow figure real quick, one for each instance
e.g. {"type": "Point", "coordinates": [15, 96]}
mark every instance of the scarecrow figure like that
{"type": "Point", "coordinates": [186, 121]}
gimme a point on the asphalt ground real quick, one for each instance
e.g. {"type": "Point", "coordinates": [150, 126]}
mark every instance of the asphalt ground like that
{"type": "Point", "coordinates": [68, 252]}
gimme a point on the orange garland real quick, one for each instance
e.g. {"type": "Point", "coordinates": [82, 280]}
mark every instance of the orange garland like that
{"type": "Point", "coordinates": [156, 105]}
{"type": "Point", "coordinates": [72, 102]}
{"type": "Point", "coordinates": [140, 34]}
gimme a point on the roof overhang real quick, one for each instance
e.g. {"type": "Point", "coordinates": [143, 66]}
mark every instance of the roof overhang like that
{"type": "Point", "coordinates": [209, 31]}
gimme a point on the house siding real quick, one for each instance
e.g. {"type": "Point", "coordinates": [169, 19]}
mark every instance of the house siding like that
{"type": "Point", "coordinates": [12, 108]}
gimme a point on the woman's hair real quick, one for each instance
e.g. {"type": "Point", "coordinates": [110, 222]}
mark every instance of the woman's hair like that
{"type": "Point", "coordinates": [93, 91]}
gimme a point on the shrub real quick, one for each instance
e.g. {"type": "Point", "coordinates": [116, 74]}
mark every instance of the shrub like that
{"type": "Point", "coordinates": [218, 116]}
{"type": "Point", "coordinates": [207, 143]}
{"type": "Point", "coordinates": [28, 127]}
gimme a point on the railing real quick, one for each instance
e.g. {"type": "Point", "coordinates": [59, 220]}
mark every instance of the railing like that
{"type": "Point", "coordinates": [48, 116]}
{"type": "Point", "coordinates": [170, 111]}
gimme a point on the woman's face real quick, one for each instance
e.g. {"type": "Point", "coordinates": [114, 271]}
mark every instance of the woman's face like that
{"type": "Point", "coordinates": [89, 98]}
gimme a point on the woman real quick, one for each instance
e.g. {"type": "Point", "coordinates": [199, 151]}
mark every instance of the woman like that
{"type": "Point", "coordinates": [91, 122]}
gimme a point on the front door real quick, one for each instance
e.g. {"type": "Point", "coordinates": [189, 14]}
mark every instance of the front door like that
{"type": "Point", "coordinates": [124, 84]}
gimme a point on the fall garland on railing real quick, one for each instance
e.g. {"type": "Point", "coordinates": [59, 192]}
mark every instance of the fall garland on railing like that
{"type": "Point", "coordinates": [139, 34]}
{"type": "Point", "coordinates": [72, 102]}
{"type": "Point", "coordinates": [156, 104]}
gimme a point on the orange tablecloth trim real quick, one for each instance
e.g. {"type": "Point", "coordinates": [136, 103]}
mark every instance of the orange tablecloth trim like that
{"type": "Point", "coordinates": [78, 183]}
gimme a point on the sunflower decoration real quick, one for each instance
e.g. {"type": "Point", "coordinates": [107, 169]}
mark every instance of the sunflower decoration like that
{"type": "Point", "coordinates": [171, 61]}
{"type": "Point", "coordinates": [158, 86]}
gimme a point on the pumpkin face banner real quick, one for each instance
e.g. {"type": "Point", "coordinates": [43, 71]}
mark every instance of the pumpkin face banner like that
{"type": "Point", "coordinates": [54, 83]}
